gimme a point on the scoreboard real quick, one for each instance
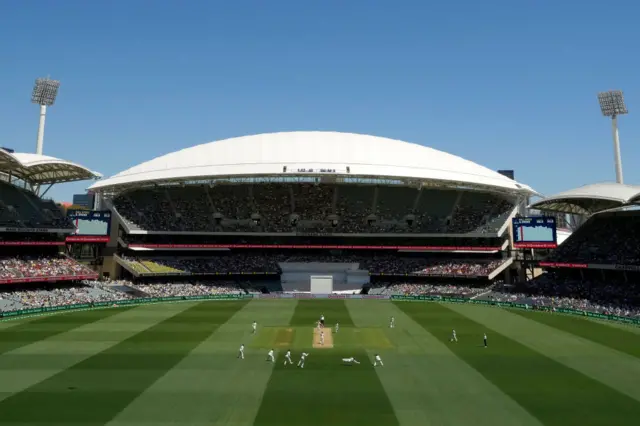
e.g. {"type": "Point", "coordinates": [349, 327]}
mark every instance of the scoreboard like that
{"type": "Point", "coordinates": [92, 226]}
{"type": "Point", "coordinates": [535, 232]}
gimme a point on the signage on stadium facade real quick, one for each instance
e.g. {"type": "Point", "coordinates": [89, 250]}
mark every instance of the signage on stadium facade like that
{"type": "Point", "coordinates": [31, 243]}
{"type": "Point", "coordinates": [562, 265]}
{"type": "Point", "coordinates": [39, 230]}
{"type": "Point", "coordinates": [311, 246]}
{"type": "Point", "coordinates": [86, 239]}
{"type": "Point", "coordinates": [315, 170]}
{"type": "Point", "coordinates": [49, 279]}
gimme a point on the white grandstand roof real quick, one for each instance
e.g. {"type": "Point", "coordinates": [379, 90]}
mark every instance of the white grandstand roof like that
{"type": "Point", "coordinates": [306, 153]}
{"type": "Point", "coordinates": [590, 199]}
{"type": "Point", "coordinates": [42, 169]}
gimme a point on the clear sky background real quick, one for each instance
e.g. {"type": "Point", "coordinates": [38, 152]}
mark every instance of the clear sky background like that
{"type": "Point", "coordinates": [507, 84]}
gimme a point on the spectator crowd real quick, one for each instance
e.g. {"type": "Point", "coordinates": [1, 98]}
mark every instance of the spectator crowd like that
{"type": "Point", "coordinates": [312, 208]}
{"type": "Point", "coordinates": [604, 239]}
{"type": "Point", "coordinates": [14, 268]}
{"type": "Point", "coordinates": [270, 263]}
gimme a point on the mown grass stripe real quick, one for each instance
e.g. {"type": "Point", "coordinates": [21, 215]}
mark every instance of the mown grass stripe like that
{"type": "Point", "coordinates": [325, 392]}
{"type": "Point", "coordinates": [553, 393]}
{"type": "Point", "coordinates": [426, 382]}
{"type": "Point", "coordinates": [95, 390]}
{"type": "Point", "coordinates": [615, 338]}
{"type": "Point", "coordinates": [43, 328]}
{"type": "Point", "coordinates": [211, 386]}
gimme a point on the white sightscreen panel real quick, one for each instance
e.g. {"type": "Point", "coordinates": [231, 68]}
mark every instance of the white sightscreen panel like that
{"type": "Point", "coordinates": [321, 284]}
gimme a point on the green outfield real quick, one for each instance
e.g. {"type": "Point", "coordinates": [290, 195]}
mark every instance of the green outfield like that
{"type": "Point", "coordinates": [176, 364]}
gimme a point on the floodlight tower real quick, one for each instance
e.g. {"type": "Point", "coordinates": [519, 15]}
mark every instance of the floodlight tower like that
{"type": "Point", "coordinates": [612, 105]}
{"type": "Point", "coordinates": [44, 94]}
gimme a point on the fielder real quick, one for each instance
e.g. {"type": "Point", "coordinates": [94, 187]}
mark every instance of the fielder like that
{"type": "Point", "coordinates": [392, 322]}
{"type": "Point", "coordinates": [270, 356]}
{"type": "Point", "coordinates": [454, 338]}
{"type": "Point", "coordinates": [351, 360]}
{"type": "Point", "coordinates": [378, 360]}
{"type": "Point", "coordinates": [241, 352]}
{"type": "Point", "coordinates": [287, 357]}
{"type": "Point", "coordinates": [322, 320]}
{"type": "Point", "coordinates": [322, 337]}
{"type": "Point", "coordinates": [255, 327]}
{"type": "Point", "coordinates": [303, 356]}
{"type": "Point", "coordinates": [337, 327]}
{"type": "Point", "coordinates": [485, 340]}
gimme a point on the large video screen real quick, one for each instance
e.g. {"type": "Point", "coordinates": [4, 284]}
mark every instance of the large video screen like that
{"type": "Point", "coordinates": [535, 232]}
{"type": "Point", "coordinates": [91, 226]}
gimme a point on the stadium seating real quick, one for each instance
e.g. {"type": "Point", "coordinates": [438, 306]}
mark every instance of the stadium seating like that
{"type": "Point", "coordinates": [246, 264]}
{"type": "Point", "coordinates": [279, 207]}
{"type": "Point", "coordinates": [20, 208]}
{"type": "Point", "coordinates": [604, 239]}
{"type": "Point", "coordinates": [15, 268]}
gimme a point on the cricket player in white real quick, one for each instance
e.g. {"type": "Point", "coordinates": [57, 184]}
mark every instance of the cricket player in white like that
{"type": "Point", "coordinates": [351, 360]}
{"type": "Point", "coordinates": [255, 327]}
{"type": "Point", "coordinates": [454, 338]}
{"type": "Point", "coordinates": [322, 337]}
{"type": "Point", "coordinates": [270, 356]}
{"type": "Point", "coordinates": [241, 352]}
{"type": "Point", "coordinates": [303, 356]}
{"type": "Point", "coordinates": [337, 327]}
{"type": "Point", "coordinates": [485, 340]}
{"type": "Point", "coordinates": [392, 322]}
{"type": "Point", "coordinates": [322, 320]}
{"type": "Point", "coordinates": [377, 360]}
{"type": "Point", "coordinates": [287, 357]}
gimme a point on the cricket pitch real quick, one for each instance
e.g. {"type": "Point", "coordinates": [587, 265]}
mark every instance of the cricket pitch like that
{"type": "Point", "coordinates": [328, 338]}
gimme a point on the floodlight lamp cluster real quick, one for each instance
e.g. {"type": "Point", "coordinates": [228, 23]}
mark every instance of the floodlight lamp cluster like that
{"type": "Point", "coordinates": [45, 91]}
{"type": "Point", "coordinates": [612, 103]}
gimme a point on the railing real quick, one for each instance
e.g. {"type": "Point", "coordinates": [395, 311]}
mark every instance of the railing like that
{"type": "Point", "coordinates": [125, 302]}
{"type": "Point", "coordinates": [519, 306]}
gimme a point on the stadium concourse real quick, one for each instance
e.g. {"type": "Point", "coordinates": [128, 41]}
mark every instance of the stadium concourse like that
{"type": "Point", "coordinates": [389, 217]}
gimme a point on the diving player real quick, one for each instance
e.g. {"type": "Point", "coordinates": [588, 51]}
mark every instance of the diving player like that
{"type": "Point", "coordinates": [351, 360]}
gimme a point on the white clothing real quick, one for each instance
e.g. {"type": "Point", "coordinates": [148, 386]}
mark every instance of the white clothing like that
{"type": "Point", "coordinates": [454, 338]}
{"type": "Point", "coordinates": [287, 357]}
{"type": "Point", "coordinates": [392, 323]}
{"type": "Point", "coordinates": [350, 360]}
{"type": "Point", "coordinates": [337, 327]}
{"type": "Point", "coordinates": [378, 360]}
{"type": "Point", "coordinates": [322, 338]}
{"type": "Point", "coordinates": [303, 356]}
{"type": "Point", "coordinates": [241, 352]}
{"type": "Point", "coordinates": [270, 356]}
{"type": "Point", "coordinates": [255, 326]}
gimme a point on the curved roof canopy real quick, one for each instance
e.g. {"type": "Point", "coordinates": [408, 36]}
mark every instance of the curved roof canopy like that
{"type": "Point", "coordinates": [41, 169]}
{"type": "Point", "coordinates": [590, 199]}
{"type": "Point", "coordinates": [310, 153]}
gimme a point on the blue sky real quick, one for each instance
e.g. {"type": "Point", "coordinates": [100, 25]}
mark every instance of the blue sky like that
{"type": "Point", "coordinates": [507, 84]}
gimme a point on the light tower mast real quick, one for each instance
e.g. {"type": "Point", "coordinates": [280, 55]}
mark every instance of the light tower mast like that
{"type": "Point", "coordinates": [44, 94]}
{"type": "Point", "coordinates": [612, 105]}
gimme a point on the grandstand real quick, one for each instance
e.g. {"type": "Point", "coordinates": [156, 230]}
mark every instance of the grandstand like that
{"type": "Point", "coordinates": [32, 230]}
{"type": "Point", "coordinates": [264, 213]}
{"type": "Point", "coordinates": [354, 206]}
